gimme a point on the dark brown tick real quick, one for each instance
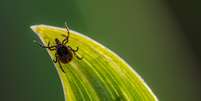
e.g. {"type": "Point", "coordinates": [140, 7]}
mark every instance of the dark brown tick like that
{"type": "Point", "coordinates": [64, 53]}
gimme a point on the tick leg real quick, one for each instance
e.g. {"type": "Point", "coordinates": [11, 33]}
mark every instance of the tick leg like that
{"type": "Point", "coordinates": [78, 57]}
{"type": "Point", "coordinates": [74, 52]}
{"type": "Point", "coordinates": [51, 48]}
{"type": "Point", "coordinates": [56, 60]}
{"type": "Point", "coordinates": [48, 46]}
{"type": "Point", "coordinates": [61, 66]}
{"type": "Point", "coordinates": [68, 34]}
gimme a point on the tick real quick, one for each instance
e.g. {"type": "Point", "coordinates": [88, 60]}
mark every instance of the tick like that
{"type": "Point", "coordinates": [63, 52]}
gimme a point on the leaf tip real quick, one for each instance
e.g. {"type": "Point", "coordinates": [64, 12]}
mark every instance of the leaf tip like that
{"type": "Point", "coordinates": [34, 27]}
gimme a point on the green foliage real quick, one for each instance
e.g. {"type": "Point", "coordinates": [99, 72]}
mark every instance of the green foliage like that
{"type": "Point", "coordinates": [100, 76]}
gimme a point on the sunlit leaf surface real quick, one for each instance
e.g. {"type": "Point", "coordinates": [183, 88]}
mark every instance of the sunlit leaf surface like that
{"type": "Point", "coordinates": [100, 76]}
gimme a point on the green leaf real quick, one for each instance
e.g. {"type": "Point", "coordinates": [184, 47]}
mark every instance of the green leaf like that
{"type": "Point", "coordinates": [100, 76]}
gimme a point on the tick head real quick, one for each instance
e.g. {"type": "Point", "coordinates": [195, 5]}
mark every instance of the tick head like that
{"type": "Point", "coordinates": [57, 41]}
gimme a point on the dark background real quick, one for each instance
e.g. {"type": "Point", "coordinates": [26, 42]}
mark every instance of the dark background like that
{"type": "Point", "coordinates": [159, 38]}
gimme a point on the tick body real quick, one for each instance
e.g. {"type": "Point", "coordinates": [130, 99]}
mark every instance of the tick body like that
{"type": "Point", "coordinates": [63, 53]}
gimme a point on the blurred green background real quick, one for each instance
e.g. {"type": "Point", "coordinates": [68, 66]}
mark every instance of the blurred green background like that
{"type": "Point", "coordinates": [160, 39]}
